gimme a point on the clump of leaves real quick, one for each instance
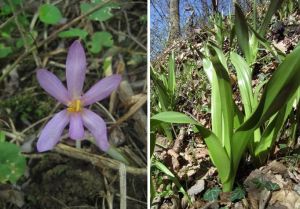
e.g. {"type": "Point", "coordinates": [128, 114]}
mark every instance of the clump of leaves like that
{"type": "Point", "coordinates": [12, 163]}
{"type": "Point", "coordinates": [237, 194]}
{"type": "Point", "coordinates": [264, 184]}
{"type": "Point", "coordinates": [212, 194]}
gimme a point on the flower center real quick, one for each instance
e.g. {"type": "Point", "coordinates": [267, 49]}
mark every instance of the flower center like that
{"type": "Point", "coordinates": [75, 106]}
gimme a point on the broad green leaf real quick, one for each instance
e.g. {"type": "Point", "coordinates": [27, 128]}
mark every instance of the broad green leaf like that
{"type": "Point", "coordinates": [12, 163]}
{"type": "Point", "coordinates": [102, 14]}
{"type": "Point", "coordinates": [274, 5]}
{"type": "Point", "coordinates": [216, 112]}
{"type": "Point", "coordinates": [278, 91]}
{"type": "Point", "coordinates": [242, 33]}
{"type": "Point", "coordinates": [274, 127]}
{"type": "Point", "coordinates": [73, 32]}
{"type": "Point", "coordinates": [98, 40]}
{"type": "Point", "coordinates": [106, 38]}
{"type": "Point", "coordinates": [244, 82]}
{"type": "Point", "coordinates": [216, 150]}
{"type": "Point", "coordinates": [172, 79]}
{"type": "Point", "coordinates": [237, 194]}
{"type": "Point", "coordinates": [212, 194]}
{"type": "Point", "coordinates": [225, 98]}
{"type": "Point", "coordinates": [278, 54]}
{"type": "Point", "coordinates": [49, 14]}
{"type": "Point", "coordinates": [220, 55]}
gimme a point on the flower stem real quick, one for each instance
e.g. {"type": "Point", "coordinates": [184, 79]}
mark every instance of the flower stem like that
{"type": "Point", "coordinates": [78, 144]}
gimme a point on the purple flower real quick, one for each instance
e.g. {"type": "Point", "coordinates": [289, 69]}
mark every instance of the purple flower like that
{"type": "Point", "coordinates": [76, 114]}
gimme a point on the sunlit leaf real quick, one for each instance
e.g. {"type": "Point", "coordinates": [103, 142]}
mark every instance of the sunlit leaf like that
{"type": "Point", "coordinates": [216, 150]}
{"type": "Point", "coordinates": [278, 91]}
{"type": "Point", "coordinates": [242, 33]}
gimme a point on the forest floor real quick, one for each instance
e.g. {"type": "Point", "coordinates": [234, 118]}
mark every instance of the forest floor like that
{"type": "Point", "coordinates": [187, 156]}
{"type": "Point", "coordinates": [67, 177]}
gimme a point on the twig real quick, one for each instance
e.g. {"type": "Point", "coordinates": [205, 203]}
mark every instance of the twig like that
{"type": "Point", "coordinates": [50, 38]}
{"type": "Point", "coordinates": [97, 160]}
{"type": "Point", "coordinates": [125, 92]}
{"type": "Point", "coordinates": [123, 193]}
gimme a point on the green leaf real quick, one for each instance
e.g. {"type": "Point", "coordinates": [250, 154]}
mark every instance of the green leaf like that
{"type": "Point", "coordinates": [261, 183]}
{"type": "Point", "coordinates": [212, 194]}
{"type": "Point", "coordinates": [172, 177]}
{"type": "Point", "coordinates": [4, 51]}
{"type": "Point", "coordinates": [73, 32]}
{"type": "Point", "coordinates": [152, 143]}
{"type": "Point", "coordinates": [244, 82]}
{"type": "Point", "coordinates": [217, 152]}
{"type": "Point", "coordinates": [49, 14]}
{"type": "Point", "coordinates": [278, 91]}
{"type": "Point", "coordinates": [160, 90]}
{"type": "Point", "coordinates": [225, 99]}
{"type": "Point", "coordinates": [237, 194]}
{"type": "Point", "coordinates": [117, 155]}
{"type": "Point", "coordinates": [100, 39]}
{"type": "Point", "coordinates": [2, 136]}
{"type": "Point", "coordinates": [12, 163]}
{"type": "Point", "coordinates": [274, 5]}
{"type": "Point", "coordinates": [271, 186]}
{"type": "Point", "coordinates": [102, 14]}
{"type": "Point", "coordinates": [242, 33]}
{"type": "Point", "coordinates": [216, 111]}
{"type": "Point", "coordinates": [273, 129]}
{"type": "Point", "coordinates": [172, 81]}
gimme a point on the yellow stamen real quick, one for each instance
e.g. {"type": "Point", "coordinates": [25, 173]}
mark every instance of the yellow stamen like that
{"type": "Point", "coordinates": [75, 106]}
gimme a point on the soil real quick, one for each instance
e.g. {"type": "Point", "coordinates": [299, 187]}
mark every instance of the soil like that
{"type": "Point", "coordinates": [56, 181]}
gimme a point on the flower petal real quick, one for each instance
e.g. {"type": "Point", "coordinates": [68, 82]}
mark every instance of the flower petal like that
{"type": "Point", "coordinates": [75, 69]}
{"type": "Point", "coordinates": [76, 130]}
{"type": "Point", "coordinates": [52, 132]}
{"type": "Point", "coordinates": [101, 89]}
{"type": "Point", "coordinates": [96, 125]}
{"type": "Point", "coordinates": [53, 86]}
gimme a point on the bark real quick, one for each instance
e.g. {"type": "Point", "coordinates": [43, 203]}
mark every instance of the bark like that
{"type": "Point", "coordinates": [174, 20]}
{"type": "Point", "coordinates": [215, 6]}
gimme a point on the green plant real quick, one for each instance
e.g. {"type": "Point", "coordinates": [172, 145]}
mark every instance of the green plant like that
{"type": "Point", "coordinates": [231, 133]}
{"type": "Point", "coordinates": [12, 163]}
{"type": "Point", "coordinates": [164, 89]}
{"type": "Point", "coordinates": [49, 14]}
{"type": "Point", "coordinates": [161, 167]}
{"type": "Point", "coordinates": [99, 39]}
{"type": "Point", "coordinates": [249, 40]}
